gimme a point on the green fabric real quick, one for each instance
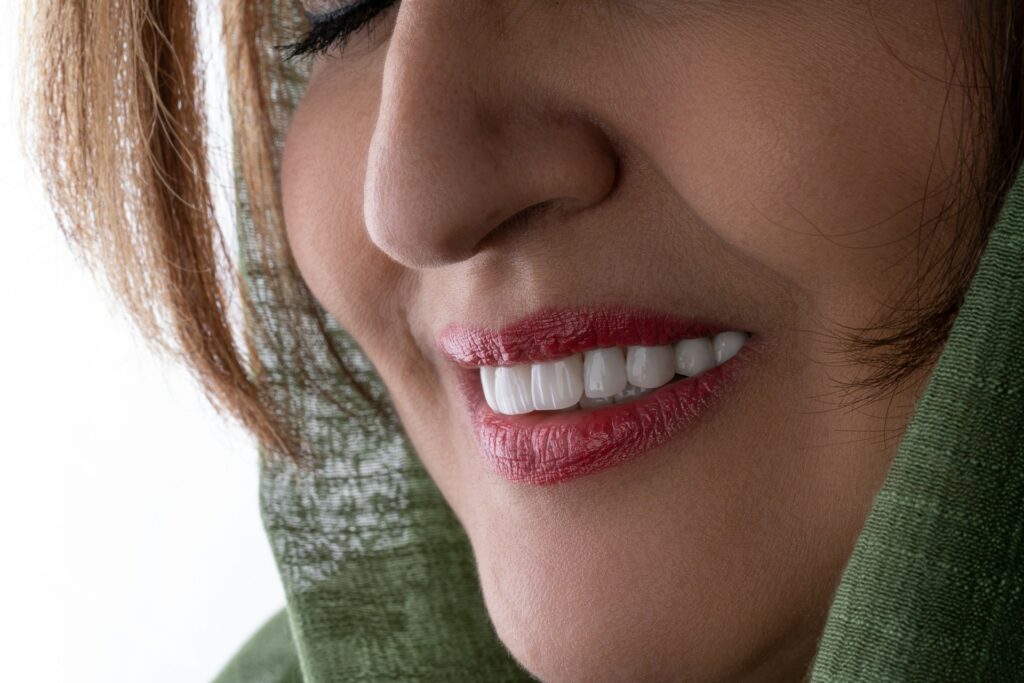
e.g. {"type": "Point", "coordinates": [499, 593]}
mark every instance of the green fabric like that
{"type": "Point", "coordinates": [379, 576]}
{"type": "Point", "coordinates": [381, 584]}
{"type": "Point", "coordinates": [934, 590]}
{"type": "Point", "coordinates": [268, 655]}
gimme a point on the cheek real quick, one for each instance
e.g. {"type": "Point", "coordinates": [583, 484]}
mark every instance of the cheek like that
{"type": "Point", "coordinates": [323, 170]}
{"type": "Point", "coordinates": [322, 173]}
{"type": "Point", "coordinates": [815, 168]}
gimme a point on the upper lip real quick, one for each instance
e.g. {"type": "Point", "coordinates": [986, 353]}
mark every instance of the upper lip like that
{"type": "Point", "coordinates": [551, 333]}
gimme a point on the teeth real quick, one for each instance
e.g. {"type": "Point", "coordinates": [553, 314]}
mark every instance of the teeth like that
{"type": "Point", "coordinates": [602, 377]}
{"type": "Point", "coordinates": [487, 380]}
{"type": "Point", "coordinates": [558, 383]}
{"type": "Point", "coordinates": [512, 393]}
{"type": "Point", "coordinates": [694, 356]}
{"type": "Point", "coordinates": [650, 366]}
{"type": "Point", "coordinates": [604, 372]}
{"type": "Point", "coordinates": [727, 344]}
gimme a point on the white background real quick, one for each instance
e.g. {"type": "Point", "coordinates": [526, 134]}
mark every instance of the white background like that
{"type": "Point", "coordinates": [132, 548]}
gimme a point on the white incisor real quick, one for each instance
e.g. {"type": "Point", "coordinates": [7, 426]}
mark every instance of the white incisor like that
{"type": "Point", "coordinates": [604, 376]}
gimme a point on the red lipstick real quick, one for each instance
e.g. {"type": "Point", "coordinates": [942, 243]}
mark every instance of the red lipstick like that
{"type": "Point", "coordinates": [546, 447]}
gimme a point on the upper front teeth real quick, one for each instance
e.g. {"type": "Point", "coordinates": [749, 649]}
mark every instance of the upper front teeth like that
{"type": "Point", "coordinates": [512, 390]}
{"type": "Point", "coordinates": [557, 384]}
{"type": "Point", "coordinates": [602, 376]}
{"type": "Point", "coordinates": [604, 372]}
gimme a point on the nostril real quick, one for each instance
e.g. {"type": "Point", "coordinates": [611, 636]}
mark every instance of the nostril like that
{"type": "Point", "coordinates": [513, 226]}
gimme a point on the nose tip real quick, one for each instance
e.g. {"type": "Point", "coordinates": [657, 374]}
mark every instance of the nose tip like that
{"type": "Point", "coordinates": [430, 199]}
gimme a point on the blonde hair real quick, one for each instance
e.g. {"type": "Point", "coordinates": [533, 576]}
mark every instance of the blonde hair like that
{"type": "Point", "coordinates": [115, 119]}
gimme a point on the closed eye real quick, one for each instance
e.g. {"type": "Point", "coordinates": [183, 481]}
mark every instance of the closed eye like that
{"type": "Point", "coordinates": [331, 30]}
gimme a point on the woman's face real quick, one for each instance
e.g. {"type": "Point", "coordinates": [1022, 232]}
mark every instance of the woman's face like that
{"type": "Point", "coordinates": [758, 166]}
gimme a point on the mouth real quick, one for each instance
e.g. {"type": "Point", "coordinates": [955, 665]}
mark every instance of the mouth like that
{"type": "Point", "coordinates": [565, 393]}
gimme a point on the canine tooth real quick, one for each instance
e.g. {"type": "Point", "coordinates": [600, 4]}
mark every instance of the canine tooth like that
{"type": "Point", "coordinates": [727, 344]}
{"type": "Point", "coordinates": [487, 381]}
{"type": "Point", "coordinates": [512, 392]}
{"type": "Point", "coordinates": [694, 356]}
{"type": "Point", "coordinates": [557, 384]}
{"type": "Point", "coordinates": [604, 372]}
{"type": "Point", "coordinates": [650, 366]}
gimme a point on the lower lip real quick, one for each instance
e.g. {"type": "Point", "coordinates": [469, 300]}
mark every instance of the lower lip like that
{"type": "Point", "coordinates": [548, 447]}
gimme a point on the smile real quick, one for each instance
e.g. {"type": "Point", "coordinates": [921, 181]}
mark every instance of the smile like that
{"type": "Point", "coordinates": [564, 393]}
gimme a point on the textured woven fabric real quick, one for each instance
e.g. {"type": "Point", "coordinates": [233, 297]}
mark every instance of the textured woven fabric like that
{"type": "Point", "coordinates": [269, 655]}
{"type": "Point", "coordinates": [934, 590]}
{"type": "Point", "coordinates": [381, 584]}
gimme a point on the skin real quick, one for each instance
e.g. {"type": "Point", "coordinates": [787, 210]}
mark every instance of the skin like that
{"type": "Point", "coordinates": [761, 164]}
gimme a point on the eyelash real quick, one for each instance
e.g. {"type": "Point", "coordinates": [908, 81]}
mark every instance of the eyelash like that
{"type": "Point", "coordinates": [332, 30]}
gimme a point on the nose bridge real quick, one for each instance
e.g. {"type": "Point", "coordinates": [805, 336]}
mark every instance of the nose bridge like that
{"type": "Point", "coordinates": [464, 140]}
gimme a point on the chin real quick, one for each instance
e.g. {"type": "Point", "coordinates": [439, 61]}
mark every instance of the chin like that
{"type": "Point", "coordinates": [594, 628]}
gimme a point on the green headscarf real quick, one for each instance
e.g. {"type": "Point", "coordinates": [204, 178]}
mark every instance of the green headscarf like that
{"type": "Point", "coordinates": [381, 583]}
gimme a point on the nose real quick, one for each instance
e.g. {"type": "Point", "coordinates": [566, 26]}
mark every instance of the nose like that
{"type": "Point", "coordinates": [466, 138]}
